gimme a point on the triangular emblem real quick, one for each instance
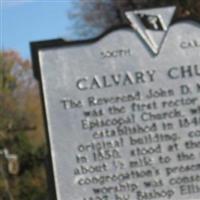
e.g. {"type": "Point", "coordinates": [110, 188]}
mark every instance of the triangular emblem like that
{"type": "Point", "coordinates": [152, 25]}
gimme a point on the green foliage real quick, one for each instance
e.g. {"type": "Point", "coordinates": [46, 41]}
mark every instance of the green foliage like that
{"type": "Point", "coordinates": [19, 106]}
{"type": "Point", "coordinates": [28, 190]}
{"type": "Point", "coordinates": [7, 80]}
{"type": "Point", "coordinates": [30, 156]}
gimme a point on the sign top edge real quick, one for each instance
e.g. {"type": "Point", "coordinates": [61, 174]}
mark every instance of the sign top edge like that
{"type": "Point", "coordinates": [36, 46]}
{"type": "Point", "coordinates": [59, 42]}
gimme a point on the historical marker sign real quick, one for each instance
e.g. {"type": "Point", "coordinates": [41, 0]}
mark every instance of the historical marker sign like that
{"type": "Point", "coordinates": [123, 122]}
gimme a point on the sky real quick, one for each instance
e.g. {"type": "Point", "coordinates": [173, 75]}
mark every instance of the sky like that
{"type": "Point", "coordinates": [24, 21]}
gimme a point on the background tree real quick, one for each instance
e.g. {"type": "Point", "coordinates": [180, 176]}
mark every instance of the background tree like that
{"type": "Point", "coordinates": [94, 16]}
{"type": "Point", "coordinates": [21, 131]}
